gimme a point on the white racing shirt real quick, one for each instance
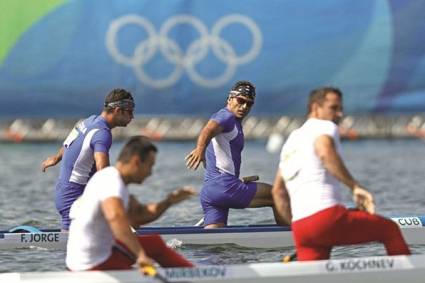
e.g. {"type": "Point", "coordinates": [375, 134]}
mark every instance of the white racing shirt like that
{"type": "Point", "coordinates": [90, 238]}
{"type": "Point", "coordinates": [310, 186]}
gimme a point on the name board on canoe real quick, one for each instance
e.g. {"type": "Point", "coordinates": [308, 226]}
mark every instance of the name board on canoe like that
{"type": "Point", "coordinates": [369, 264]}
{"type": "Point", "coordinates": [40, 237]}
{"type": "Point", "coordinates": [408, 221]}
{"type": "Point", "coordinates": [197, 272]}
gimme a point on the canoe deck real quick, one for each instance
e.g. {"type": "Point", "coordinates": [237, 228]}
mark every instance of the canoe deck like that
{"type": "Point", "coordinates": [392, 269]}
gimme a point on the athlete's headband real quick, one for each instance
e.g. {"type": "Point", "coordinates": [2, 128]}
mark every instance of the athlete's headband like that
{"type": "Point", "coordinates": [244, 90]}
{"type": "Point", "coordinates": [123, 103]}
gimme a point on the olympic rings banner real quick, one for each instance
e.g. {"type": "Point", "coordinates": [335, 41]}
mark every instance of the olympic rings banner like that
{"type": "Point", "coordinates": [61, 57]}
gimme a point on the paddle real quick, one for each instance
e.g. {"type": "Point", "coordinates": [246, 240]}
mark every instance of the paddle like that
{"type": "Point", "coordinates": [200, 222]}
{"type": "Point", "coordinates": [290, 257]}
{"type": "Point", "coordinates": [253, 178]}
{"type": "Point", "coordinates": [152, 272]}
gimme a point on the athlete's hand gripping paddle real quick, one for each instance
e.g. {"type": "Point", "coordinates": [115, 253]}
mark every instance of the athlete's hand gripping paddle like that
{"type": "Point", "coordinates": [151, 271]}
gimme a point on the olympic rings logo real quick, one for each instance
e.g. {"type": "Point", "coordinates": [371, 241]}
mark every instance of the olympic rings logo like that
{"type": "Point", "coordinates": [183, 60]}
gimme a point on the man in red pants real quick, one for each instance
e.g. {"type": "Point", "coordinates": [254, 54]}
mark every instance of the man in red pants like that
{"type": "Point", "coordinates": [306, 189]}
{"type": "Point", "coordinates": [100, 237]}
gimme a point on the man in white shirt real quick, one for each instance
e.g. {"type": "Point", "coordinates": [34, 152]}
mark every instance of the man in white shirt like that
{"type": "Point", "coordinates": [306, 189]}
{"type": "Point", "coordinates": [100, 237]}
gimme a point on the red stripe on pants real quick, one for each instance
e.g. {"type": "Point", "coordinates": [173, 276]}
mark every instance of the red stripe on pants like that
{"type": "Point", "coordinates": [315, 235]}
{"type": "Point", "coordinates": [154, 246]}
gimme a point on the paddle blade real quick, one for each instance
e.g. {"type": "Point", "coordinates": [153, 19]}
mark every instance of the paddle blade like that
{"type": "Point", "coordinates": [289, 258]}
{"type": "Point", "coordinates": [149, 271]}
{"type": "Point", "coordinates": [152, 272]}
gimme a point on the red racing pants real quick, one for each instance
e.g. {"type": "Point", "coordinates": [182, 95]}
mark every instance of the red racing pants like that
{"type": "Point", "coordinates": [315, 235]}
{"type": "Point", "coordinates": [155, 248]}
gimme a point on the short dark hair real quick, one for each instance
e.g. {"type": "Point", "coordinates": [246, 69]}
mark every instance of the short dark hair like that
{"type": "Point", "coordinates": [244, 88]}
{"type": "Point", "coordinates": [115, 95]}
{"type": "Point", "coordinates": [318, 95]}
{"type": "Point", "coordinates": [139, 145]}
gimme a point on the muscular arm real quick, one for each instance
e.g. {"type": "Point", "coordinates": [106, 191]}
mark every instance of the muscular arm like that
{"type": "Point", "coordinates": [52, 160]}
{"type": "Point", "coordinates": [141, 214]}
{"type": "Point", "coordinates": [55, 159]}
{"type": "Point", "coordinates": [115, 215]}
{"type": "Point", "coordinates": [101, 160]}
{"type": "Point", "coordinates": [326, 151]}
{"type": "Point", "coordinates": [281, 198]}
{"type": "Point", "coordinates": [197, 155]}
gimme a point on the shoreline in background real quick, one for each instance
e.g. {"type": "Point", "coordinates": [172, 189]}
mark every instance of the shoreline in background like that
{"type": "Point", "coordinates": [166, 128]}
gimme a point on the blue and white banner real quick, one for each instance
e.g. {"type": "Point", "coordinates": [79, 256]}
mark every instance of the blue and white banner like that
{"type": "Point", "coordinates": [61, 57]}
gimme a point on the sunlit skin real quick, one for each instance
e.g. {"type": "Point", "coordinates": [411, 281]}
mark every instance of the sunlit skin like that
{"type": "Point", "coordinates": [126, 116]}
{"type": "Point", "coordinates": [138, 171]}
{"type": "Point", "coordinates": [331, 109]}
{"type": "Point", "coordinates": [240, 110]}
{"type": "Point", "coordinates": [145, 168]}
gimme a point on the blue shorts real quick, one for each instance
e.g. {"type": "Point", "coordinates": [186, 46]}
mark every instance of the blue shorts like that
{"type": "Point", "coordinates": [66, 194]}
{"type": "Point", "coordinates": [222, 193]}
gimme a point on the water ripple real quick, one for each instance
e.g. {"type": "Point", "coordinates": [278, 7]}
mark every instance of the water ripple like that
{"type": "Point", "coordinates": [392, 170]}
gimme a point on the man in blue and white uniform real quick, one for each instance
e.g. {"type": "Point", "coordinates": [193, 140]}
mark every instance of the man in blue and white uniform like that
{"type": "Point", "coordinates": [219, 146]}
{"type": "Point", "coordinates": [86, 150]}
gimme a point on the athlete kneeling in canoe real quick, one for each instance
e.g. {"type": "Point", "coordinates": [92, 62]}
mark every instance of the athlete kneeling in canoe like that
{"type": "Point", "coordinates": [219, 147]}
{"type": "Point", "coordinates": [100, 237]}
{"type": "Point", "coordinates": [307, 189]}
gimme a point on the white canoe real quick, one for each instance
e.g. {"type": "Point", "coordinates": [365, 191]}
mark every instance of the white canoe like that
{"type": "Point", "coordinates": [390, 269]}
{"type": "Point", "coordinates": [253, 236]}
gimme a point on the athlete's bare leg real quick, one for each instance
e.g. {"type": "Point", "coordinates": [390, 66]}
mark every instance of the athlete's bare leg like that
{"type": "Point", "coordinates": [215, 225]}
{"type": "Point", "coordinates": [263, 197]}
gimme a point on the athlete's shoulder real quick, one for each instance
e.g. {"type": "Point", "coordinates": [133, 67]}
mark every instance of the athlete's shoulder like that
{"type": "Point", "coordinates": [110, 180]}
{"type": "Point", "coordinates": [225, 118]}
{"type": "Point", "coordinates": [319, 125]}
{"type": "Point", "coordinates": [95, 121]}
{"type": "Point", "coordinates": [292, 141]}
{"type": "Point", "coordinates": [223, 115]}
{"type": "Point", "coordinates": [223, 112]}
{"type": "Point", "coordinates": [102, 139]}
{"type": "Point", "coordinates": [92, 118]}
{"type": "Point", "coordinates": [293, 136]}
{"type": "Point", "coordinates": [88, 121]}
{"type": "Point", "coordinates": [110, 172]}
{"type": "Point", "coordinates": [101, 123]}
{"type": "Point", "coordinates": [107, 175]}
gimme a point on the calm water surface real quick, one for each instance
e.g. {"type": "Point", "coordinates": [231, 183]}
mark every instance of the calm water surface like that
{"type": "Point", "coordinates": [392, 170]}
